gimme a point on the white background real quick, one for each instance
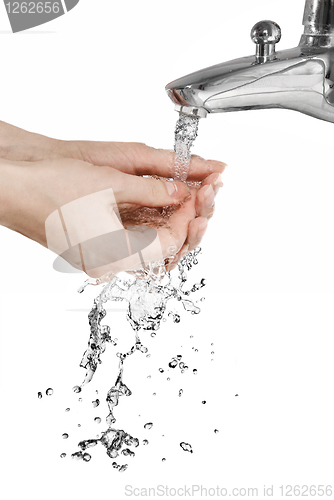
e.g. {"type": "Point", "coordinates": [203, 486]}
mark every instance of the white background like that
{"type": "Point", "coordinates": [99, 73]}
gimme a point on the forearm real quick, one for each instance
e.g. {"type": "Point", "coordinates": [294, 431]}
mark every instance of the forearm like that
{"type": "Point", "coordinates": [19, 145]}
{"type": "Point", "coordinates": [10, 193]}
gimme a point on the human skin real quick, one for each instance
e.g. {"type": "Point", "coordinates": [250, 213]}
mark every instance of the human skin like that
{"type": "Point", "coordinates": [39, 175]}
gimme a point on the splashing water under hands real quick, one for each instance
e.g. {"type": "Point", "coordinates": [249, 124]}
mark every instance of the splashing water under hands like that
{"type": "Point", "coordinates": [147, 301]}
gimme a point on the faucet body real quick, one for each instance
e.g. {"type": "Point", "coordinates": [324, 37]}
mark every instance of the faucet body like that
{"type": "Point", "coordinates": [301, 78]}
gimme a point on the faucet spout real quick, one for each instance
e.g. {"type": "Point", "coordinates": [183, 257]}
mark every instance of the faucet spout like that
{"type": "Point", "coordinates": [318, 17]}
{"type": "Point", "coordinates": [301, 78]}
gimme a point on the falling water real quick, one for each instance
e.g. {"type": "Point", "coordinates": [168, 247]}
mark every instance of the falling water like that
{"type": "Point", "coordinates": [147, 301]}
{"type": "Point", "coordinates": [186, 131]}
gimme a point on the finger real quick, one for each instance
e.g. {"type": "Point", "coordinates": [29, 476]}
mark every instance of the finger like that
{"type": "Point", "coordinates": [215, 180]}
{"type": "Point", "coordinates": [175, 234]}
{"type": "Point", "coordinates": [150, 161]}
{"type": "Point", "coordinates": [150, 192]}
{"type": "Point", "coordinates": [205, 201]}
{"type": "Point", "coordinates": [140, 159]}
{"type": "Point", "coordinates": [196, 231]}
{"type": "Point", "coordinates": [184, 250]}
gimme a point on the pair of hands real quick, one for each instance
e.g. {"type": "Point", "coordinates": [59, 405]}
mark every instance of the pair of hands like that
{"type": "Point", "coordinates": [40, 175]}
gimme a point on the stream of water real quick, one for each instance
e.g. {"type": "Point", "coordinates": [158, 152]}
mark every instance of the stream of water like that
{"type": "Point", "coordinates": [147, 302]}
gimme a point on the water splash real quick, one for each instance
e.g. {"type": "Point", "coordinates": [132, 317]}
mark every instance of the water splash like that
{"type": "Point", "coordinates": [186, 447]}
{"type": "Point", "coordinates": [147, 302]}
{"type": "Point", "coordinates": [147, 294]}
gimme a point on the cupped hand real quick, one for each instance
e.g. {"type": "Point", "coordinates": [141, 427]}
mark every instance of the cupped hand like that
{"type": "Point", "coordinates": [59, 172]}
{"type": "Point", "coordinates": [41, 188]}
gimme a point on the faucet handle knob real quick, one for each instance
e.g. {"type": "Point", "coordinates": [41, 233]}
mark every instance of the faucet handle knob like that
{"type": "Point", "coordinates": [265, 34]}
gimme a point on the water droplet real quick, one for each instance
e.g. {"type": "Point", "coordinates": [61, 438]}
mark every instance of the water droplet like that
{"type": "Point", "coordinates": [67, 409]}
{"type": "Point", "coordinates": [203, 402]}
{"type": "Point", "coordinates": [145, 442]}
{"type": "Point", "coordinates": [196, 350]}
{"type": "Point", "coordinates": [49, 392]}
{"type": "Point", "coordinates": [149, 425]}
{"type": "Point", "coordinates": [86, 457]}
{"type": "Point", "coordinates": [173, 363]}
{"type": "Point", "coordinates": [154, 394]}
{"type": "Point", "coordinates": [97, 420]}
{"type": "Point", "coordinates": [168, 379]}
{"type": "Point", "coordinates": [161, 370]}
{"type": "Point", "coordinates": [149, 376]}
{"type": "Point", "coordinates": [96, 403]}
{"type": "Point", "coordinates": [76, 389]}
{"type": "Point", "coordinates": [216, 431]}
{"type": "Point", "coordinates": [194, 371]}
{"type": "Point", "coordinates": [237, 394]}
{"type": "Point", "coordinates": [65, 435]}
{"type": "Point", "coordinates": [180, 392]}
{"type": "Point", "coordinates": [39, 395]}
{"type": "Point", "coordinates": [63, 455]}
{"type": "Point", "coordinates": [80, 400]}
{"type": "Point", "coordinates": [186, 447]}
{"type": "Point", "coordinates": [212, 352]}
{"type": "Point", "coordinates": [163, 460]}
{"type": "Point", "coordinates": [128, 453]}
{"type": "Point", "coordinates": [79, 425]}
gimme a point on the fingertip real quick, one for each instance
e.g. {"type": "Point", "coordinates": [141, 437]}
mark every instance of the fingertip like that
{"type": "Point", "coordinates": [201, 168]}
{"type": "Point", "coordinates": [218, 163]}
{"type": "Point", "coordinates": [178, 191]}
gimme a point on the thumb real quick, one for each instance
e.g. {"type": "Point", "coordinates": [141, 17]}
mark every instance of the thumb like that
{"type": "Point", "coordinates": [152, 192]}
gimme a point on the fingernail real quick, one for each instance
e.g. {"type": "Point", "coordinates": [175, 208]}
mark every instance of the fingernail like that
{"type": "Point", "coordinates": [201, 230]}
{"type": "Point", "coordinates": [171, 188]}
{"type": "Point", "coordinates": [217, 184]}
{"type": "Point", "coordinates": [215, 166]}
{"type": "Point", "coordinates": [184, 251]}
{"type": "Point", "coordinates": [219, 162]}
{"type": "Point", "coordinates": [209, 196]}
{"type": "Point", "coordinates": [176, 191]}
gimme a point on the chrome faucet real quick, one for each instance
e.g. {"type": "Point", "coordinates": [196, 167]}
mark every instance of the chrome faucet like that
{"type": "Point", "coordinates": [301, 78]}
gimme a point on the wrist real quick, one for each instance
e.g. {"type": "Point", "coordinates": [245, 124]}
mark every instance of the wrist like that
{"type": "Point", "coordinates": [17, 200]}
{"type": "Point", "coordinates": [19, 145]}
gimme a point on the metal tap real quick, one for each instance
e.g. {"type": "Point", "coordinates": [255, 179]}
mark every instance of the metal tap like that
{"type": "Point", "coordinates": [301, 78]}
